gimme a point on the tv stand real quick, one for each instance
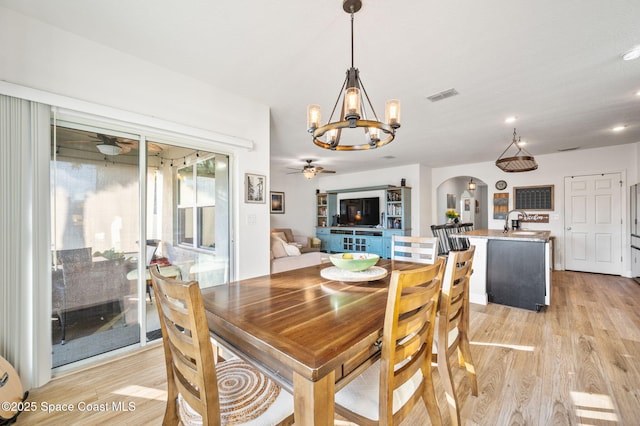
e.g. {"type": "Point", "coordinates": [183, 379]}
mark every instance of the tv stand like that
{"type": "Point", "coordinates": [396, 212]}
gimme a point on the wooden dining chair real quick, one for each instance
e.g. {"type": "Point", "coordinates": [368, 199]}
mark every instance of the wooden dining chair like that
{"type": "Point", "coordinates": [414, 249]}
{"type": "Point", "coordinates": [386, 392]}
{"type": "Point", "coordinates": [200, 390]}
{"type": "Point", "coordinates": [452, 331]}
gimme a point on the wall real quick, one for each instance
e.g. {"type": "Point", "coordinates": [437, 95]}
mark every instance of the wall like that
{"type": "Point", "coordinates": [36, 55]}
{"type": "Point", "coordinates": [552, 169]}
{"type": "Point", "coordinates": [300, 194]}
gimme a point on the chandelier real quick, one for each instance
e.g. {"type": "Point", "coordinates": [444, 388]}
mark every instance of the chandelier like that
{"type": "Point", "coordinates": [353, 113]}
{"type": "Point", "coordinates": [522, 161]}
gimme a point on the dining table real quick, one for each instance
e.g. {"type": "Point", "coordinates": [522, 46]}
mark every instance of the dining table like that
{"type": "Point", "coordinates": [310, 334]}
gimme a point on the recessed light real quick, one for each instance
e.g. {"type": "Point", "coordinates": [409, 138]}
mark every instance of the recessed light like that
{"type": "Point", "coordinates": [619, 128]}
{"type": "Point", "coordinates": [638, 93]}
{"type": "Point", "coordinates": [632, 54]}
{"type": "Point", "coordinates": [510, 119]}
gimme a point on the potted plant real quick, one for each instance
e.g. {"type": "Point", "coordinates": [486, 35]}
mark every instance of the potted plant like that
{"type": "Point", "coordinates": [452, 215]}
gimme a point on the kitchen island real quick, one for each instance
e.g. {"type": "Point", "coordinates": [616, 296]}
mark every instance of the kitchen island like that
{"type": "Point", "coordinates": [511, 268]}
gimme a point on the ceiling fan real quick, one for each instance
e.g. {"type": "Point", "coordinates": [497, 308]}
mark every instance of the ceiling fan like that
{"type": "Point", "coordinates": [109, 145]}
{"type": "Point", "coordinates": [309, 170]}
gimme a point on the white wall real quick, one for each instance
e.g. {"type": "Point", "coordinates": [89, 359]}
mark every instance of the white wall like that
{"type": "Point", "coordinates": [300, 195]}
{"type": "Point", "coordinates": [552, 169]}
{"type": "Point", "coordinates": [36, 55]}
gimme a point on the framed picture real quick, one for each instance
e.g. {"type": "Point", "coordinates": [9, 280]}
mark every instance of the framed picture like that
{"type": "Point", "coordinates": [254, 188]}
{"type": "Point", "coordinates": [277, 202]}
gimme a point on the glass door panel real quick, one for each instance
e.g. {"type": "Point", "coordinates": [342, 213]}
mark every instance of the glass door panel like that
{"type": "Point", "coordinates": [187, 217]}
{"type": "Point", "coordinates": [95, 232]}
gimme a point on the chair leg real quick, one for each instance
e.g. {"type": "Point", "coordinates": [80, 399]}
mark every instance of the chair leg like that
{"type": "Point", "coordinates": [466, 361]}
{"type": "Point", "coordinates": [444, 368]}
{"type": "Point", "coordinates": [431, 402]}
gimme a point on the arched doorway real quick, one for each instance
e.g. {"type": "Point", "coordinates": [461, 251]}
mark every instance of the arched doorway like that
{"type": "Point", "coordinates": [456, 193]}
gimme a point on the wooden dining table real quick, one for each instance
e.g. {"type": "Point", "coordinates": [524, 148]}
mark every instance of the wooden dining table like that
{"type": "Point", "coordinates": [310, 334]}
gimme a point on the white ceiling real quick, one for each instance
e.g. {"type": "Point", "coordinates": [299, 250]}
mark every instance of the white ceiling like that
{"type": "Point", "coordinates": [556, 65]}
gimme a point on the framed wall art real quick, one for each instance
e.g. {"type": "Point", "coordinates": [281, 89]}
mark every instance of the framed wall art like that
{"type": "Point", "coordinates": [254, 188]}
{"type": "Point", "coordinates": [277, 202]}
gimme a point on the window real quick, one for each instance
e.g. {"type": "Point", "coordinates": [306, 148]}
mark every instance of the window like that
{"type": "Point", "coordinates": [196, 204]}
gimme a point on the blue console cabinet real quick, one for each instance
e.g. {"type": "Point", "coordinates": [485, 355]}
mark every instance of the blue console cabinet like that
{"type": "Point", "coordinates": [396, 208]}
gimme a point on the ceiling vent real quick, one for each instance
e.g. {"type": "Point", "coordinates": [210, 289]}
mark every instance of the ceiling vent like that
{"type": "Point", "coordinates": [443, 95]}
{"type": "Point", "coordinates": [573, 148]}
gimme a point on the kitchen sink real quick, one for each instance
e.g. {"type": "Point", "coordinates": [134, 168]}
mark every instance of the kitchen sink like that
{"type": "Point", "coordinates": [524, 232]}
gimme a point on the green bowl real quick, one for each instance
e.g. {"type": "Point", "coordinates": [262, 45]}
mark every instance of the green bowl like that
{"type": "Point", "coordinates": [360, 261]}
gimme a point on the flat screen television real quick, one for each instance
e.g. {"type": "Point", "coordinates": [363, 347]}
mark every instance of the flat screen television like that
{"type": "Point", "coordinates": [368, 210]}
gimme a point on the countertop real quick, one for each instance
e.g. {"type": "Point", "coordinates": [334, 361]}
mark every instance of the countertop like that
{"type": "Point", "coordinates": [497, 234]}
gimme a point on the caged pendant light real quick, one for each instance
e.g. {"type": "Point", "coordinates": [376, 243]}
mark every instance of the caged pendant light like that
{"type": "Point", "coordinates": [353, 113]}
{"type": "Point", "coordinates": [522, 161]}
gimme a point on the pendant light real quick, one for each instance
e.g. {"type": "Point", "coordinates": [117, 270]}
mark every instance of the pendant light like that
{"type": "Point", "coordinates": [353, 113]}
{"type": "Point", "coordinates": [522, 161]}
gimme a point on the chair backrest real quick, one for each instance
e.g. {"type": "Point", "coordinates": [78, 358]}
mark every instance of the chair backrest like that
{"type": "Point", "coordinates": [454, 301]}
{"type": "Point", "coordinates": [446, 242]}
{"type": "Point", "coordinates": [151, 251]}
{"type": "Point", "coordinates": [455, 243]}
{"type": "Point", "coordinates": [75, 256]}
{"type": "Point", "coordinates": [408, 337]}
{"type": "Point", "coordinates": [187, 348]}
{"type": "Point", "coordinates": [440, 232]}
{"type": "Point", "coordinates": [414, 249]}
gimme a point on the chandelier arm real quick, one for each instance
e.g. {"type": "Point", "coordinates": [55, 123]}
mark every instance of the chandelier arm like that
{"type": "Point", "coordinates": [344, 84]}
{"type": "Point", "coordinates": [505, 151]}
{"type": "Point", "coordinates": [366, 95]}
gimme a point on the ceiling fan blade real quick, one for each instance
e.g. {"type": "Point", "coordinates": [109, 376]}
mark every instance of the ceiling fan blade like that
{"type": "Point", "coordinates": [326, 171]}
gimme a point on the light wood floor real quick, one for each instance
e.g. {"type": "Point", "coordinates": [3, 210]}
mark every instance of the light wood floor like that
{"type": "Point", "coordinates": [577, 362]}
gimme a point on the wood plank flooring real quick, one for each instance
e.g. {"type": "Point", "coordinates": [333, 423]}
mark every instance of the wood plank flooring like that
{"type": "Point", "coordinates": [577, 362]}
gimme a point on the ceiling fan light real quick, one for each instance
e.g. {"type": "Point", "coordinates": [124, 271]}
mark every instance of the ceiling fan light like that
{"type": "Point", "coordinates": [392, 113]}
{"type": "Point", "coordinates": [109, 149]}
{"type": "Point", "coordinates": [308, 174]}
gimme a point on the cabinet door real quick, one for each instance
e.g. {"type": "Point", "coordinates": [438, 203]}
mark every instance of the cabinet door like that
{"type": "Point", "coordinates": [516, 273]}
{"type": "Point", "coordinates": [374, 245]}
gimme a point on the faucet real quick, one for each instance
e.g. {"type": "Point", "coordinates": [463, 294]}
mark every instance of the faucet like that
{"type": "Point", "coordinates": [506, 219]}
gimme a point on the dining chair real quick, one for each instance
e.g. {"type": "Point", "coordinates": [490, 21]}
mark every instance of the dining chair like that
{"type": "Point", "coordinates": [200, 390]}
{"type": "Point", "coordinates": [414, 249]}
{"type": "Point", "coordinates": [452, 331]}
{"type": "Point", "coordinates": [386, 392]}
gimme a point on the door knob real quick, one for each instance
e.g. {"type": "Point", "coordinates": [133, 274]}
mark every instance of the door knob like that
{"type": "Point", "coordinates": [568, 228]}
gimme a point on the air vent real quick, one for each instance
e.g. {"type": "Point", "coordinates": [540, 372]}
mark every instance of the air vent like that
{"type": "Point", "coordinates": [443, 95]}
{"type": "Point", "coordinates": [573, 148]}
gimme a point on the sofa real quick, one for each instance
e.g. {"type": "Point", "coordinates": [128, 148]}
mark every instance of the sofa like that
{"type": "Point", "coordinates": [293, 252]}
{"type": "Point", "coordinates": [305, 244]}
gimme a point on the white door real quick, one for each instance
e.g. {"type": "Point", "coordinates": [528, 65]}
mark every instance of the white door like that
{"type": "Point", "coordinates": [593, 223]}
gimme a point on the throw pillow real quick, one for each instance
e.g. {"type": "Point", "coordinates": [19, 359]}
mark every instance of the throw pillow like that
{"type": "Point", "coordinates": [277, 248]}
{"type": "Point", "coordinates": [281, 236]}
{"type": "Point", "coordinates": [292, 250]}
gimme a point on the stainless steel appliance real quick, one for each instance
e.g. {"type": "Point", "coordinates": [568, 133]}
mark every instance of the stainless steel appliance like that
{"type": "Point", "coordinates": [634, 203]}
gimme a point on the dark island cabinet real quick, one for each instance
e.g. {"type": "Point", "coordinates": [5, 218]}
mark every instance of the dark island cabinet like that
{"type": "Point", "coordinates": [516, 273]}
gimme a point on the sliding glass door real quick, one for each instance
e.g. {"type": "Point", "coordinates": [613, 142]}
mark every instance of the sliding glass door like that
{"type": "Point", "coordinates": [95, 232]}
{"type": "Point", "coordinates": [100, 300]}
